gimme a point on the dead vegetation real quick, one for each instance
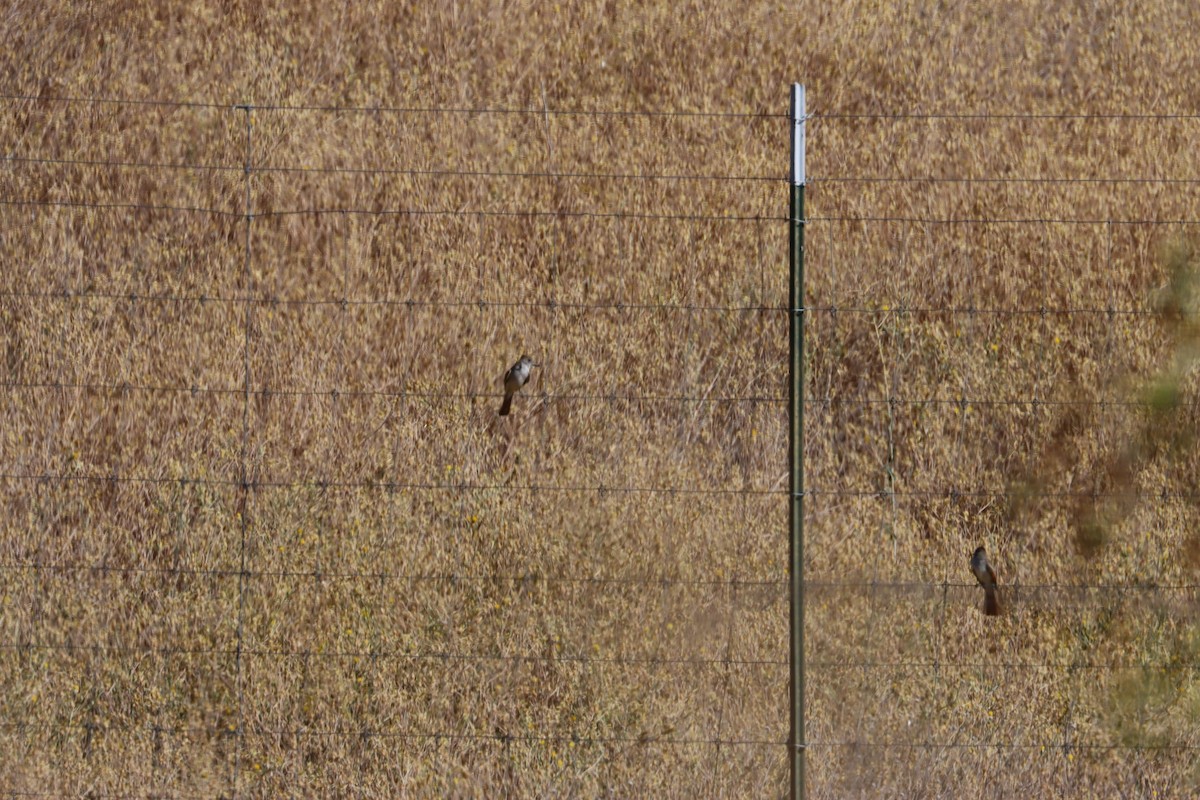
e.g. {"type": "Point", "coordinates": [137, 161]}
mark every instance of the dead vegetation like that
{"type": "Point", "coordinates": [264, 534]}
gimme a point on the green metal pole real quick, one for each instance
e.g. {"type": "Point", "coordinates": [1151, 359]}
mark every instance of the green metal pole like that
{"type": "Point", "coordinates": [796, 741]}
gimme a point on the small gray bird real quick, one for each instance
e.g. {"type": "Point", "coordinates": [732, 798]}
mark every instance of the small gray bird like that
{"type": "Point", "coordinates": [987, 579]}
{"type": "Point", "coordinates": [514, 379]}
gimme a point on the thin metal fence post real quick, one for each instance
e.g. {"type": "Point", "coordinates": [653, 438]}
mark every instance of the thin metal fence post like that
{"type": "Point", "coordinates": [796, 741]}
{"type": "Point", "coordinates": [245, 487]}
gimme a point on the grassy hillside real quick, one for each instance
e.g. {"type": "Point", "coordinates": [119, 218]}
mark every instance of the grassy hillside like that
{"type": "Point", "coordinates": [264, 534]}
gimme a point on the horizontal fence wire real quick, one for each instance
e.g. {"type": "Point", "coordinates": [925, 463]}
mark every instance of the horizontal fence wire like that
{"type": "Point", "coordinates": [813, 116]}
{"type": "Point", "coordinates": [334, 393]}
{"type": "Point", "coordinates": [417, 212]}
{"type": "Point", "coordinates": [435, 173]}
{"type": "Point", "coordinates": [385, 655]}
{"type": "Point", "coordinates": [399, 212]}
{"type": "Point", "coordinates": [983, 311]}
{"type": "Point", "coordinates": [539, 111]}
{"type": "Point", "coordinates": [149, 795]}
{"type": "Point", "coordinates": [1006, 745]}
{"type": "Point", "coordinates": [1015, 116]}
{"type": "Point", "coordinates": [371, 733]}
{"type": "Point", "coordinates": [610, 215]}
{"type": "Point", "coordinates": [581, 739]}
{"type": "Point", "coordinates": [585, 739]}
{"type": "Point", "coordinates": [812, 180]}
{"type": "Point", "coordinates": [536, 578]}
{"type": "Point", "coordinates": [412, 303]}
{"type": "Point", "coordinates": [897, 310]}
{"type": "Point", "coordinates": [987, 181]}
{"type": "Point", "coordinates": [256, 484]}
{"type": "Point", "coordinates": [530, 579]}
{"type": "Point", "coordinates": [1092, 221]}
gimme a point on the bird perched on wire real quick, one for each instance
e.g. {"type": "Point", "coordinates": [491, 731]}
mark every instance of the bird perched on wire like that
{"type": "Point", "coordinates": [516, 377]}
{"type": "Point", "coordinates": [987, 579]}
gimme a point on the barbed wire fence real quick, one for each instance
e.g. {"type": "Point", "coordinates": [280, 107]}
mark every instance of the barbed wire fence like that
{"type": "Point", "coordinates": [1056, 474]}
{"type": "Point", "coordinates": [244, 486]}
{"type": "Point", "coordinates": [736, 640]}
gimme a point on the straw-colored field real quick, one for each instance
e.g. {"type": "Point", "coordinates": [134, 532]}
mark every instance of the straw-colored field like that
{"type": "Point", "coordinates": [264, 534]}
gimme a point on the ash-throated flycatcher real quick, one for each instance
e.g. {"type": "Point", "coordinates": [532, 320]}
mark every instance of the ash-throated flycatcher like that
{"type": "Point", "coordinates": [514, 379]}
{"type": "Point", "coordinates": [987, 579]}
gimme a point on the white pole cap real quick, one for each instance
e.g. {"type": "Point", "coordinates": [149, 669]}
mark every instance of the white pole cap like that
{"type": "Point", "coordinates": [799, 117]}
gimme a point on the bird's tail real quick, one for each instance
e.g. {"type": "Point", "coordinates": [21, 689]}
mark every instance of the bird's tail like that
{"type": "Point", "coordinates": [991, 603]}
{"type": "Point", "coordinates": [506, 406]}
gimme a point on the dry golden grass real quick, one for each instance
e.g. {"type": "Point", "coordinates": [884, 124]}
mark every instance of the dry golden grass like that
{"type": "Point", "coordinates": [413, 597]}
